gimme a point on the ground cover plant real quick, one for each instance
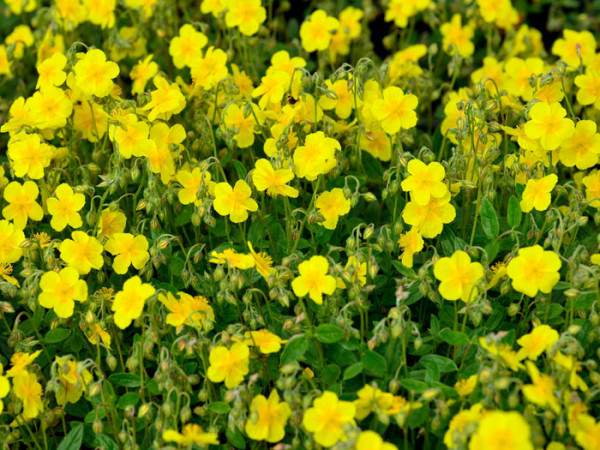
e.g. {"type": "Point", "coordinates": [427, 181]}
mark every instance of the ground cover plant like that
{"type": "Point", "coordinates": [263, 224]}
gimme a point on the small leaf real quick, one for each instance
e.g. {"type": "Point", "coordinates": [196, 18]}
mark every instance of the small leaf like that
{"type": "Point", "coordinates": [57, 335]}
{"type": "Point", "coordinates": [240, 169]}
{"type": "Point", "coordinates": [353, 371]}
{"type": "Point", "coordinates": [329, 334]}
{"type": "Point", "coordinates": [73, 440]}
{"type": "Point", "coordinates": [374, 363]}
{"type": "Point", "coordinates": [489, 219]}
{"type": "Point", "coordinates": [443, 364]}
{"type": "Point", "coordinates": [294, 350]}
{"type": "Point", "coordinates": [235, 438]}
{"type": "Point", "coordinates": [414, 385]}
{"type": "Point", "coordinates": [454, 337]}
{"type": "Point", "coordinates": [128, 399]}
{"type": "Point", "coordinates": [219, 407]}
{"type": "Point", "coordinates": [514, 213]}
{"type": "Point", "coordinates": [125, 379]}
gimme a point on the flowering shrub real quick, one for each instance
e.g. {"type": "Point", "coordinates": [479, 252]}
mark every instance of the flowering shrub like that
{"type": "Point", "coordinates": [253, 224]}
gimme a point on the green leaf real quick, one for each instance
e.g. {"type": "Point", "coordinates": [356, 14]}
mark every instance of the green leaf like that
{"type": "Point", "coordinates": [219, 407]}
{"type": "Point", "coordinates": [489, 219]}
{"type": "Point", "coordinates": [235, 438]}
{"type": "Point", "coordinates": [513, 215]}
{"type": "Point", "coordinates": [185, 216]}
{"type": "Point", "coordinates": [73, 440]}
{"type": "Point", "coordinates": [414, 385]}
{"type": "Point", "coordinates": [128, 399]}
{"type": "Point", "coordinates": [57, 335]}
{"type": "Point", "coordinates": [454, 337]}
{"type": "Point", "coordinates": [331, 373]}
{"type": "Point", "coordinates": [443, 364]}
{"type": "Point", "coordinates": [294, 350]}
{"type": "Point", "coordinates": [240, 169]}
{"type": "Point", "coordinates": [374, 363]}
{"type": "Point", "coordinates": [329, 334]}
{"type": "Point", "coordinates": [372, 166]}
{"type": "Point", "coordinates": [125, 379]}
{"type": "Point", "coordinates": [353, 371]}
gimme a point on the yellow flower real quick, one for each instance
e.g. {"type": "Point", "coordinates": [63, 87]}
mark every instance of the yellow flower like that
{"type": "Point", "coordinates": [314, 279]}
{"type": "Point", "coordinates": [101, 12]}
{"type": "Point", "coordinates": [82, 253]}
{"type": "Point", "coordinates": [242, 126]}
{"type": "Point", "coordinates": [266, 341]}
{"type": "Point", "coordinates": [94, 74]}
{"type": "Point", "coordinates": [331, 205]}
{"type": "Point", "coordinates": [230, 256]}
{"type": "Point", "coordinates": [272, 88]}
{"type": "Point", "coordinates": [131, 136]}
{"type": "Point", "coordinates": [344, 101]}
{"type": "Point", "coordinates": [583, 148]}
{"type": "Point", "coordinates": [20, 6]}
{"type": "Point", "coordinates": [569, 364]}
{"type": "Point", "coordinates": [503, 353]}
{"type": "Point", "coordinates": [425, 181]}
{"type": "Point", "coordinates": [542, 338]}
{"type": "Point", "coordinates": [51, 71]}
{"type": "Point", "coordinates": [141, 73]}
{"type": "Point", "coordinates": [405, 63]}
{"type": "Point", "coordinates": [4, 387]}
{"type": "Point", "coordinates": [500, 430]}
{"type": "Point", "coordinates": [534, 269]}
{"type": "Point", "coordinates": [262, 261]}
{"type": "Point", "coordinates": [21, 203]}
{"type": "Point", "coordinates": [234, 202]}
{"type": "Point", "coordinates": [186, 49]}
{"type": "Point", "coordinates": [73, 380]}
{"type": "Point", "coordinates": [466, 386]}
{"type": "Point", "coordinates": [575, 48]}
{"type": "Point", "coordinates": [29, 156]}
{"type": "Point", "coordinates": [60, 290]}
{"type": "Point", "coordinates": [22, 37]}
{"type": "Point", "coordinates": [229, 365]}
{"type": "Point", "coordinates": [401, 10]}
{"type": "Point", "coordinates": [191, 184]}
{"type": "Point", "coordinates": [316, 31]}
{"type": "Point", "coordinates": [19, 362]}
{"type": "Point", "coordinates": [111, 222]}
{"type": "Point", "coordinates": [267, 418]}
{"type": "Point", "coordinates": [377, 143]}
{"type": "Point", "coordinates": [211, 69]}
{"type": "Point", "coordinates": [166, 100]}
{"type": "Point", "coordinates": [99, 334]}
{"type": "Point", "coordinates": [11, 238]}
{"type": "Point", "coordinates": [395, 110]}
{"type": "Point", "coordinates": [356, 271]}
{"type": "Point", "coordinates": [92, 121]}
{"type": "Point", "coordinates": [128, 250]}
{"type": "Point", "coordinates": [537, 193]}
{"type": "Point", "coordinates": [456, 435]}
{"type": "Point", "coordinates": [65, 208]}
{"type": "Point", "coordinates": [247, 15]}
{"type": "Point", "coordinates": [541, 392]}
{"type": "Point", "coordinates": [193, 311]}
{"type": "Point", "coordinates": [316, 157]}
{"type": "Point", "coordinates": [455, 37]}
{"type": "Point", "coordinates": [266, 178]}
{"type": "Point", "coordinates": [27, 389]}
{"type": "Point", "coordinates": [369, 440]}
{"type": "Point", "coordinates": [589, 439]}
{"type": "Point", "coordinates": [411, 243]}
{"type": "Point", "coordinates": [4, 62]}
{"type": "Point", "coordinates": [327, 417]}
{"type": "Point", "coordinates": [129, 302]}
{"type": "Point", "coordinates": [592, 188]}
{"type": "Point", "coordinates": [589, 88]}
{"type": "Point", "coordinates": [429, 219]}
{"type": "Point", "coordinates": [281, 61]}
{"type": "Point", "coordinates": [458, 276]}
{"type": "Point", "coordinates": [519, 72]}
{"type": "Point", "coordinates": [50, 108]}
{"type": "Point", "coordinates": [190, 435]}
{"type": "Point", "coordinates": [548, 122]}
{"type": "Point", "coordinates": [500, 12]}
{"type": "Point", "coordinates": [5, 273]}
